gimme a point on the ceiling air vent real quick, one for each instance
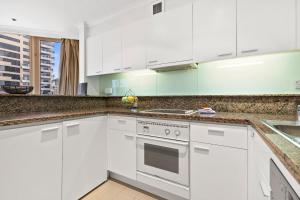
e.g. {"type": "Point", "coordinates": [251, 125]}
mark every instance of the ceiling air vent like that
{"type": "Point", "coordinates": [157, 7]}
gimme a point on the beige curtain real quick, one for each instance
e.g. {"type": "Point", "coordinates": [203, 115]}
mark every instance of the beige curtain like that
{"type": "Point", "coordinates": [69, 67]}
{"type": "Point", "coordinates": [35, 63]}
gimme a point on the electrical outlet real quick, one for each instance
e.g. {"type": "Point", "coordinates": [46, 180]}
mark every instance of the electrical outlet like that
{"type": "Point", "coordinates": [298, 84]}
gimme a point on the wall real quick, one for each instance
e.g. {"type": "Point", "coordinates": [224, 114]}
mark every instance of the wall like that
{"type": "Point", "coordinates": [139, 12]}
{"type": "Point", "coordinates": [266, 74]}
{"type": "Point", "coordinates": [18, 104]}
{"type": "Point", "coordinates": [258, 104]}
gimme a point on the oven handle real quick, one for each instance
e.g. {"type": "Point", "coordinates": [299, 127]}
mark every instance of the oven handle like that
{"type": "Point", "coordinates": [164, 140]}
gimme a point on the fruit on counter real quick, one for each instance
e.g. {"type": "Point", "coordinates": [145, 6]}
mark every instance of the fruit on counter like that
{"type": "Point", "coordinates": [131, 99]}
{"type": "Point", "coordinates": [124, 99]}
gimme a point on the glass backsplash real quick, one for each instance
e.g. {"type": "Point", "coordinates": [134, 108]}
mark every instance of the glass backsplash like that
{"type": "Point", "coordinates": [266, 74]}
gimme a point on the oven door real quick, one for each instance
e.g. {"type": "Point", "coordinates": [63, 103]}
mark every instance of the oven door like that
{"type": "Point", "coordinates": [163, 158]}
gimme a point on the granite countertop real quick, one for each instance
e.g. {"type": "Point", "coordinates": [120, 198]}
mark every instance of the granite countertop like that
{"type": "Point", "coordinates": [288, 153]}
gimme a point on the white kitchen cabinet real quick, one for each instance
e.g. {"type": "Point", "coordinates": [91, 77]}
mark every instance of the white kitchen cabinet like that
{"type": "Point", "coordinates": [219, 164]}
{"type": "Point", "coordinates": [122, 146]}
{"type": "Point", "coordinates": [170, 38]}
{"type": "Point", "coordinates": [218, 172]}
{"type": "Point", "coordinates": [134, 45]}
{"type": "Point", "coordinates": [219, 134]}
{"type": "Point", "coordinates": [112, 51]}
{"type": "Point", "coordinates": [84, 156]}
{"type": "Point", "coordinates": [31, 162]}
{"type": "Point", "coordinates": [259, 168]}
{"type": "Point", "coordinates": [214, 29]}
{"type": "Point", "coordinates": [94, 56]}
{"type": "Point", "coordinates": [265, 26]}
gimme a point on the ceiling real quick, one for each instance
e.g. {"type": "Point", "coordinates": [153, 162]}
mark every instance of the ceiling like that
{"type": "Point", "coordinates": [60, 15]}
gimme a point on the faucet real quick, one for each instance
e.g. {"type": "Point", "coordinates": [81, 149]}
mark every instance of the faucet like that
{"type": "Point", "coordinates": [298, 113]}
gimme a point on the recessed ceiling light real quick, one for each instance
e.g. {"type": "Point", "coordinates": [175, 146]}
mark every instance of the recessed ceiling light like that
{"type": "Point", "coordinates": [13, 19]}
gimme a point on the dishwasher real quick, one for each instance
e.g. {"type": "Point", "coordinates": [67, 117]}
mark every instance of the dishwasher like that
{"type": "Point", "coordinates": [281, 189]}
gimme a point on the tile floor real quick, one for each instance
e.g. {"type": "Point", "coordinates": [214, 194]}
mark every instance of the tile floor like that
{"type": "Point", "coordinates": [115, 190]}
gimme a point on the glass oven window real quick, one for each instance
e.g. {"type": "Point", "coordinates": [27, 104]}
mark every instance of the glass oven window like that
{"type": "Point", "coordinates": [161, 157]}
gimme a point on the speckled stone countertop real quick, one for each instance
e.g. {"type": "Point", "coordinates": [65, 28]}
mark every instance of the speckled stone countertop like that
{"type": "Point", "coordinates": [288, 153]}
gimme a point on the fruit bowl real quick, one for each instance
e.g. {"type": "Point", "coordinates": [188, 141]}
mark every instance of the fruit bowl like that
{"type": "Point", "coordinates": [130, 100]}
{"type": "Point", "coordinates": [17, 89]}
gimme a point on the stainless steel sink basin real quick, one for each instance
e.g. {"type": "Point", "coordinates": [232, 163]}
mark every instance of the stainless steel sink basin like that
{"type": "Point", "coordinates": [290, 130]}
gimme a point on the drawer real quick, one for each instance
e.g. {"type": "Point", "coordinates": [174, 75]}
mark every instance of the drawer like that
{"type": "Point", "coordinates": [231, 136]}
{"type": "Point", "coordinates": [127, 124]}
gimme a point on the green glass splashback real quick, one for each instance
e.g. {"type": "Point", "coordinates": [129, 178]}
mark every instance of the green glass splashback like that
{"type": "Point", "coordinates": [267, 74]}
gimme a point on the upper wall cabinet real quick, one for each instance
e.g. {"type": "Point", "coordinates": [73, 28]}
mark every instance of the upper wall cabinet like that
{"type": "Point", "coordinates": [112, 51]}
{"type": "Point", "coordinates": [170, 38]}
{"type": "Point", "coordinates": [94, 56]}
{"type": "Point", "coordinates": [214, 29]}
{"type": "Point", "coordinates": [134, 45]}
{"type": "Point", "coordinates": [265, 26]}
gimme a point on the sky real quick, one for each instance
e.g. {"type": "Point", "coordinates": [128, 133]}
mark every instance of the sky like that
{"type": "Point", "coordinates": [57, 46]}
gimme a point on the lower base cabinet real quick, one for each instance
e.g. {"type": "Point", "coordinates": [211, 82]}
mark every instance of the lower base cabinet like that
{"type": "Point", "coordinates": [122, 153]}
{"type": "Point", "coordinates": [121, 145]}
{"type": "Point", "coordinates": [218, 172]}
{"type": "Point", "coordinates": [84, 156]}
{"type": "Point", "coordinates": [31, 160]}
{"type": "Point", "coordinates": [259, 168]}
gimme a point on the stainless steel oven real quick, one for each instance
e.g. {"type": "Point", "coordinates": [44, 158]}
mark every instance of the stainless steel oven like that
{"type": "Point", "coordinates": [163, 150]}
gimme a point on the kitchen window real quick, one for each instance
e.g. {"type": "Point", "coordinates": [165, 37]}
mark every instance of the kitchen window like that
{"type": "Point", "coordinates": [27, 60]}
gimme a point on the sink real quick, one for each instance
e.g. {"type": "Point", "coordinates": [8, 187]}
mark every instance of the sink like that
{"type": "Point", "coordinates": [290, 130]}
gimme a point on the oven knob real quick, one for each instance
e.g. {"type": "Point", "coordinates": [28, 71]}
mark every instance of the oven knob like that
{"type": "Point", "coordinates": [167, 131]}
{"type": "Point", "coordinates": [177, 132]}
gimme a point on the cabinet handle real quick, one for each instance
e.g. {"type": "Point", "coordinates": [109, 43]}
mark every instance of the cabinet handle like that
{"type": "Point", "coordinates": [121, 121]}
{"type": "Point", "coordinates": [225, 55]}
{"type": "Point", "coordinates": [153, 61]}
{"type": "Point", "coordinates": [50, 129]}
{"type": "Point", "coordinates": [201, 148]}
{"type": "Point", "coordinates": [266, 191]}
{"type": "Point", "coordinates": [129, 136]}
{"type": "Point", "coordinates": [127, 68]}
{"type": "Point", "coordinates": [72, 125]}
{"type": "Point", "coordinates": [250, 51]}
{"type": "Point", "coordinates": [49, 134]}
{"type": "Point", "coordinates": [216, 132]}
{"type": "Point", "coordinates": [118, 69]}
{"type": "Point", "coordinates": [98, 72]}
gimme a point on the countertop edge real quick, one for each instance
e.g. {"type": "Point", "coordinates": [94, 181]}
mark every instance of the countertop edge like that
{"type": "Point", "coordinates": [286, 161]}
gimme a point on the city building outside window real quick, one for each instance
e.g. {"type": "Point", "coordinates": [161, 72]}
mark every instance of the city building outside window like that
{"type": "Point", "coordinates": [19, 68]}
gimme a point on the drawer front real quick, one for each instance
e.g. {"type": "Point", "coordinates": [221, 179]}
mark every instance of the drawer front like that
{"type": "Point", "coordinates": [127, 124]}
{"type": "Point", "coordinates": [231, 136]}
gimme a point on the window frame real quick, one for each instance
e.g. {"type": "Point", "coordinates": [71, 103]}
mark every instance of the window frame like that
{"type": "Point", "coordinates": [35, 61]}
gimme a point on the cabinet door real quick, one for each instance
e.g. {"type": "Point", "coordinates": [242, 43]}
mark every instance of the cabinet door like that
{"type": "Point", "coordinates": [112, 51]}
{"type": "Point", "coordinates": [84, 156]}
{"type": "Point", "coordinates": [31, 162]}
{"type": "Point", "coordinates": [170, 37]}
{"type": "Point", "coordinates": [214, 29]}
{"type": "Point", "coordinates": [259, 168]}
{"type": "Point", "coordinates": [122, 153]}
{"type": "Point", "coordinates": [265, 26]}
{"type": "Point", "coordinates": [94, 56]}
{"type": "Point", "coordinates": [134, 45]}
{"type": "Point", "coordinates": [218, 172]}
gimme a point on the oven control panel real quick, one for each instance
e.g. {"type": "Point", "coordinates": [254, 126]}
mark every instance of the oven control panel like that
{"type": "Point", "coordinates": [165, 129]}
